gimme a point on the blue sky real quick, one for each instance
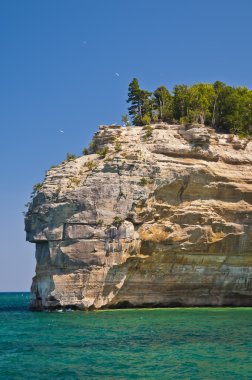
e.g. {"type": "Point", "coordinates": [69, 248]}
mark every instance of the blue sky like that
{"type": "Point", "coordinates": [58, 61]}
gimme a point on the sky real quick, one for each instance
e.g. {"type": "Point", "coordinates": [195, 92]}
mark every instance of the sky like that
{"type": "Point", "coordinates": [58, 65]}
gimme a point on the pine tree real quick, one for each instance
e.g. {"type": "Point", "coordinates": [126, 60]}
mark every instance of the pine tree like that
{"type": "Point", "coordinates": [139, 100]}
{"type": "Point", "coordinates": [133, 98]}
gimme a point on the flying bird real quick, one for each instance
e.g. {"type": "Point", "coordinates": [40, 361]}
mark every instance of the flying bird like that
{"type": "Point", "coordinates": [60, 130]}
{"type": "Point", "coordinates": [117, 74]}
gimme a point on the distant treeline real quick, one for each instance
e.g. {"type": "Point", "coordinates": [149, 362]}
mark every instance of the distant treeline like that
{"type": "Point", "coordinates": [225, 108]}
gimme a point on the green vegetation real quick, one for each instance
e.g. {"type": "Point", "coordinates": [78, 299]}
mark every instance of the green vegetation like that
{"type": "Point", "coordinates": [70, 157]}
{"type": "Point", "coordinates": [111, 139]}
{"type": "Point", "coordinates": [108, 159]}
{"type": "Point", "coordinates": [74, 180]}
{"type": "Point", "coordinates": [146, 119]}
{"type": "Point", "coordinates": [223, 107]}
{"type": "Point", "coordinates": [140, 102]}
{"type": "Point", "coordinates": [118, 146]}
{"type": "Point", "coordinates": [90, 165]}
{"type": "Point", "coordinates": [37, 187]}
{"type": "Point", "coordinates": [103, 152]}
{"type": "Point", "coordinates": [99, 222]}
{"type": "Point", "coordinates": [117, 221]}
{"type": "Point", "coordinates": [85, 151]}
{"type": "Point", "coordinates": [143, 181]}
{"type": "Point", "coordinates": [148, 131]}
{"type": "Point", "coordinates": [162, 104]}
{"type": "Point", "coordinates": [92, 146]}
{"type": "Point", "coordinates": [125, 120]}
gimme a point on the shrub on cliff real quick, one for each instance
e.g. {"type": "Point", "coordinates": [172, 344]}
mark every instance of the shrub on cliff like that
{"type": "Point", "coordinates": [99, 222]}
{"type": "Point", "coordinates": [92, 146]}
{"type": "Point", "coordinates": [117, 221]}
{"type": "Point", "coordinates": [70, 157]}
{"type": "Point", "coordinates": [74, 180]}
{"type": "Point", "coordinates": [148, 131]}
{"type": "Point", "coordinates": [85, 151]}
{"type": "Point", "coordinates": [143, 181]}
{"type": "Point", "coordinates": [118, 146]}
{"type": "Point", "coordinates": [103, 152]}
{"type": "Point", "coordinates": [37, 187]}
{"type": "Point", "coordinates": [90, 165]}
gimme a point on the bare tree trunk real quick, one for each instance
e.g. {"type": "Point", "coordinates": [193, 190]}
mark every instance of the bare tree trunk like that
{"type": "Point", "coordinates": [161, 109]}
{"type": "Point", "coordinates": [139, 110]}
{"type": "Point", "coordinates": [214, 110]}
{"type": "Point", "coordinates": [201, 119]}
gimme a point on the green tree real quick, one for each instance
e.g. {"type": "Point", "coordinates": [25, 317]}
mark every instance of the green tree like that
{"type": "Point", "coordinates": [125, 120]}
{"type": "Point", "coordinates": [201, 101]}
{"type": "Point", "coordinates": [245, 111]}
{"type": "Point", "coordinates": [237, 115]}
{"type": "Point", "coordinates": [163, 103]}
{"type": "Point", "coordinates": [219, 88]}
{"type": "Point", "coordinates": [147, 108]}
{"type": "Point", "coordinates": [181, 101]}
{"type": "Point", "coordinates": [139, 100]}
{"type": "Point", "coordinates": [135, 109]}
{"type": "Point", "coordinates": [226, 108]}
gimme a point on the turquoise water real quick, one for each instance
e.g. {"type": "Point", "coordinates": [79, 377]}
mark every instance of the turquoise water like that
{"type": "Point", "coordinates": [124, 344]}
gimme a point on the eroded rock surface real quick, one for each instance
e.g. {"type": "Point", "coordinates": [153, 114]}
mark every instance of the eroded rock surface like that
{"type": "Point", "coordinates": [165, 218]}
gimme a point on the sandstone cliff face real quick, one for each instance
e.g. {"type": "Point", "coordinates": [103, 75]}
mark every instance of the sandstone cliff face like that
{"type": "Point", "coordinates": [164, 219]}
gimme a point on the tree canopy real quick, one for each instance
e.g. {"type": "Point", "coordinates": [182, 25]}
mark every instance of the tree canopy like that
{"type": "Point", "coordinates": [223, 107]}
{"type": "Point", "coordinates": [139, 100]}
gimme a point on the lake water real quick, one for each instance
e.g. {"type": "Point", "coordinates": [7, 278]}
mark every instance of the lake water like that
{"type": "Point", "coordinates": [199, 343]}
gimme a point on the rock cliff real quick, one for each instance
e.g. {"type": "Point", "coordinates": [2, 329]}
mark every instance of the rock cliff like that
{"type": "Point", "coordinates": [158, 216]}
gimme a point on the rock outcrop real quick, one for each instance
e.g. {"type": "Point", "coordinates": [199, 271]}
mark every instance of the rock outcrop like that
{"type": "Point", "coordinates": [160, 216]}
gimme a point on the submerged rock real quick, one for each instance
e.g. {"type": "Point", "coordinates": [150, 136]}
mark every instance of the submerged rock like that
{"type": "Point", "coordinates": [159, 218]}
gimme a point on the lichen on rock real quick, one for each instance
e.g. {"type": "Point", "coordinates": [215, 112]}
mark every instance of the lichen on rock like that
{"type": "Point", "coordinates": [159, 221]}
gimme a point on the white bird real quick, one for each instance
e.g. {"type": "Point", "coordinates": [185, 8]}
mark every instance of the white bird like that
{"type": "Point", "coordinates": [60, 130]}
{"type": "Point", "coordinates": [117, 74]}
